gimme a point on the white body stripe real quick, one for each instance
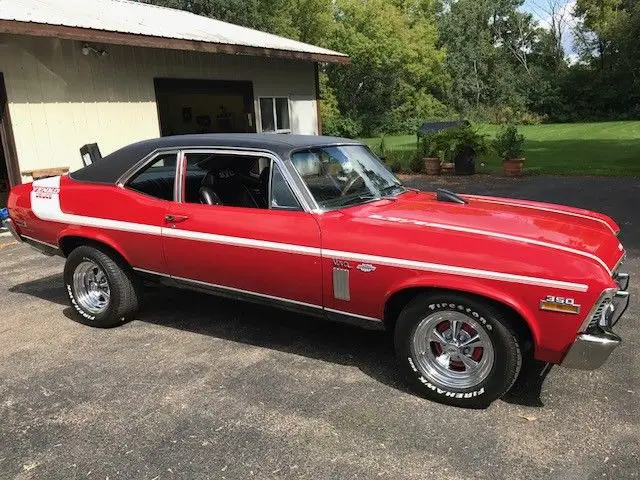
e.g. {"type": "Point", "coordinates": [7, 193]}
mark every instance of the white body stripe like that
{"type": "Point", "coordinates": [45, 203]}
{"type": "Point", "coordinates": [544, 209]}
{"type": "Point", "coordinates": [241, 242]}
{"type": "Point", "coordinates": [454, 270]}
{"type": "Point", "coordinates": [487, 233]}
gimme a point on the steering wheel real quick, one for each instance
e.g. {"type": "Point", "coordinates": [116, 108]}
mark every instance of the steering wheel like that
{"type": "Point", "coordinates": [350, 185]}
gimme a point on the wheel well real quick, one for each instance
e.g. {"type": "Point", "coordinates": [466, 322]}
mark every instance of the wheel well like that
{"type": "Point", "coordinates": [70, 243]}
{"type": "Point", "coordinates": [400, 299]}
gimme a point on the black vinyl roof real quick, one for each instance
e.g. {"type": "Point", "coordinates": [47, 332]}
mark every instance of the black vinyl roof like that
{"type": "Point", "coordinates": [116, 164]}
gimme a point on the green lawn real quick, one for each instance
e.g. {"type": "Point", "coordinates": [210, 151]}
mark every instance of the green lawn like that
{"type": "Point", "coordinates": [607, 148]}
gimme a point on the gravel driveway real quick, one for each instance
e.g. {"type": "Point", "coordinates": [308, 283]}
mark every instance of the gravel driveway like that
{"type": "Point", "coordinates": [199, 387]}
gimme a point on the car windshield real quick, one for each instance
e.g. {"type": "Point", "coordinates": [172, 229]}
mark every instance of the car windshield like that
{"type": "Point", "coordinates": [340, 176]}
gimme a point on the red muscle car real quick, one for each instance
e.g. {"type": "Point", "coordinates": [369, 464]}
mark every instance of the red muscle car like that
{"type": "Point", "coordinates": [470, 286]}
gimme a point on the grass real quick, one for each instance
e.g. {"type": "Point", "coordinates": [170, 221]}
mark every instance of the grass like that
{"type": "Point", "coordinates": [606, 148]}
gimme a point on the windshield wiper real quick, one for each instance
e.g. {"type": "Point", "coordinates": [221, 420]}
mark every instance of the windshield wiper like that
{"type": "Point", "coordinates": [386, 191]}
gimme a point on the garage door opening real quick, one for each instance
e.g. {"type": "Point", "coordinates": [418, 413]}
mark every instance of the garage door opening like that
{"type": "Point", "coordinates": [9, 175]}
{"type": "Point", "coordinates": [204, 106]}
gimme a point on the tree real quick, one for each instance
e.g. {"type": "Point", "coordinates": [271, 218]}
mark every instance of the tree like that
{"type": "Point", "coordinates": [488, 44]}
{"type": "Point", "coordinates": [396, 75]}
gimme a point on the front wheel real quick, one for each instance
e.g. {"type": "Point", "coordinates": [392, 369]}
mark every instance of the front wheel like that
{"type": "Point", "coordinates": [456, 350]}
{"type": "Point", "coordinates": [100, 286]}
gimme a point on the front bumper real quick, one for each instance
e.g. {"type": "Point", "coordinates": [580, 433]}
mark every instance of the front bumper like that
{"type": "Point", "coordinates": [8, 224]}
{"type": "Point", "coordinates": [592, 347]}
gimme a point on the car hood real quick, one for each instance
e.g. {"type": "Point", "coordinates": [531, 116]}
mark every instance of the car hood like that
{"type": "Point", "coordinates": [579, 231]}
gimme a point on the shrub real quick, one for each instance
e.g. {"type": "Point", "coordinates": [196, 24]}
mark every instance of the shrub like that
{"type": "Point", "coordinates": [453, 141]}
{"type": "Point", "coordinates": [429, 145]}
{"type": "Point", "coordinates": [395, 167]}
{"type": "Point", "coordinates": [509, 143]}
{"type": "Point", "coordinates": [416, 165]}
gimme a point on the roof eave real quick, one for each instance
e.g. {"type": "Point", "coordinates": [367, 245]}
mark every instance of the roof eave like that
{"type": "Point", "coordinates": [131, 39]}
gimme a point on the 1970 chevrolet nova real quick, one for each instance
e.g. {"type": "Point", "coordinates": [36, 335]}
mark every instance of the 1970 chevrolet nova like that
{"type": "Point", "coordinates": [469, 286]}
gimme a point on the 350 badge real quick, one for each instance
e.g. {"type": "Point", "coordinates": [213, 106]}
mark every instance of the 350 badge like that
{"type": "Point", "coordinates": [559, 304]}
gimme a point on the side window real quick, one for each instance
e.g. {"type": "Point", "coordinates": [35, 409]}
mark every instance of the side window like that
{"type": "Point", "coordinates": [158, 178]}
{"type": "Point", "coordinates": [282, 198]}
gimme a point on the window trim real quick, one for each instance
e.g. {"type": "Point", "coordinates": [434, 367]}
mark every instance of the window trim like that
{"type": "Point", "coordinates": [123, 182]}
{"type": "Point", "coordinates": [270, 191]}
{"type": "Point", "coordinates": [275, 114]}
{"type": "Point", "coordinates": [275, 160]}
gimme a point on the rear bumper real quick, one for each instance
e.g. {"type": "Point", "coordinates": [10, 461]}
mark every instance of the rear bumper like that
{"type": "Point", "coordinates": [591, 348]}
{"type": "Point", "coordinates": [8, 224]}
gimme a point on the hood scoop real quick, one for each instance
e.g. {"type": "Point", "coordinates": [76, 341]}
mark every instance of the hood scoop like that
{"type": "Point", "coordinates": [443, 195]}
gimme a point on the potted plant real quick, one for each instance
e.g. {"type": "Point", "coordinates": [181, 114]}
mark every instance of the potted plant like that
{"type": "Point", "coordinates": [510, 146]}
{"type": "Point", "coordinates": [429, 147]}
{"type": "Point", "coordinates": [467, 144]}
{"type": "Point", "coordinates": [460, 147]}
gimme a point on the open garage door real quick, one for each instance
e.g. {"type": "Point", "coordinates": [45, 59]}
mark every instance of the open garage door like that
{"type": "Point", "coordinates": [9, 171]}
{"type": "Point", "coordinates": [204, 106]}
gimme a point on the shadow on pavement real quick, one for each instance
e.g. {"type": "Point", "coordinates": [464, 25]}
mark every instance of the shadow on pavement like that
{"type": "Point", "coordinates": [369, 351]}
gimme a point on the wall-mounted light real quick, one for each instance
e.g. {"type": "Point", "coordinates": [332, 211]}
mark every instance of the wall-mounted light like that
{"type": "Point", "coordinates": [89, 49]}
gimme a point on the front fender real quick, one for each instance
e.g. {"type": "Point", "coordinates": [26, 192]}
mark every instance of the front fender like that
{"type": "Point", "coordinates": [474, 287]}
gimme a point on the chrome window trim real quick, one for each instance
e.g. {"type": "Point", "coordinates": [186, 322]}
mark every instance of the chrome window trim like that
{"type": "Point", "coordinates": [177, 184]}
{"type": "Point", "coordinates": [270, 192]}
{"type": "Point", "coordinates": [126, 176]}
{"type": "Point", "coordinates": [275, 159]}
{"type": "Point", "coordinates": [304, 187]}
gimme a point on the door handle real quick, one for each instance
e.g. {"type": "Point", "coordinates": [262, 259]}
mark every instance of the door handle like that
{"type": "Point", "coordinates": [175, 218]}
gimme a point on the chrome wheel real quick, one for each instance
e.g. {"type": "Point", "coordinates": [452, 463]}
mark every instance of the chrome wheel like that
{"type": "Point", "coordinates": [91, 287]}
{"type": "Point", "coordinates": [452, 350]}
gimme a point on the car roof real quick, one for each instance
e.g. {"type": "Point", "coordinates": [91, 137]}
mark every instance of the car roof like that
{"type": "Point", "coordinates": [116, 164]}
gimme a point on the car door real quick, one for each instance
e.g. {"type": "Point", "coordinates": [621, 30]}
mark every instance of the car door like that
{"type": "Point", "coordinates": [270, 254]}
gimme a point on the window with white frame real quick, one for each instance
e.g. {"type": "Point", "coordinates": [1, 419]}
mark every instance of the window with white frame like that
{"type": "Point", "coordinates": [274, 114]}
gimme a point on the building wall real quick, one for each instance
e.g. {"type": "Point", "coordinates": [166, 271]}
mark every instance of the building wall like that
{"type": "Point", "coordinates": [60, 99]}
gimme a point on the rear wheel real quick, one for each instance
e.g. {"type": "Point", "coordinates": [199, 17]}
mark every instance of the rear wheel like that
{"type": "Point", "coordinates": [100, 286]}
{"type": "Point", "coordinates": [456, 350]}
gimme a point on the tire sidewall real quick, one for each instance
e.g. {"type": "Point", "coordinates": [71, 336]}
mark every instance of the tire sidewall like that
{"type": "Point", "coordinates": [505, 367]}
{"type": "Point", "coordinates": [107, 317]}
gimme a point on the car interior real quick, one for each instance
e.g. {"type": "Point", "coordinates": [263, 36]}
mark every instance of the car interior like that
{"type": "Point", "coordinates": [217, 179]}
{"type": "Point", "coordinates": [227, 180]}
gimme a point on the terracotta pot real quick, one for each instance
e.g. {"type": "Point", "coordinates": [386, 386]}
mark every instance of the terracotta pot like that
{"type": "Point", "coordinates": [513, 167]}
{"type": "Point", "coordinates": [448, 168]}
{"type": "Point", "coordinates": [432, 166]}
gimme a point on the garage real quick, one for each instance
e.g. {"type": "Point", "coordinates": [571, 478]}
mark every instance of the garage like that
{"type": "Point", "coordinates": [113, 73]}
{"type": "Point", "coordinates": [204, 106]}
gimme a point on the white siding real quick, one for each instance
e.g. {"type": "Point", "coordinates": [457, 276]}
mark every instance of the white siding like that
{"type": "Point", "coordinates": [60, 99]}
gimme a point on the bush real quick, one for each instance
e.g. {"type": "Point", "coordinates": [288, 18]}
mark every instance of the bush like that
{"type": "Point", "coordinates": [509, 143]}
{"type": "Point", "coordinates": [396, 167]}
{"type": "Point", "coordinates": [454, 140]}
{"type": "Point", "coordinates": [429, 145]}
{"type": "Point", "coordinates": [416, 165]}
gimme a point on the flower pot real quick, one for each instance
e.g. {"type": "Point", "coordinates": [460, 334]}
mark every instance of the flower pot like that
{"type": "Point", "coordinates": [513, 167]}
{"type": "Point", "coordinates": [432, 166]}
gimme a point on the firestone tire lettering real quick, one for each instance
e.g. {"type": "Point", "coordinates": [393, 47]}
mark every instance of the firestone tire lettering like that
{"type": "Point", "coordinates": [507, 350]}
{"type": "Point", "coordinates": [76, 306]}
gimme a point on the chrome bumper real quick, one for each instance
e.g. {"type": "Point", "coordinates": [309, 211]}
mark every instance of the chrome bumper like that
{"type": "Point", "coordinates": [590, 351]}
{"type": "Point", "coordinates": [8, 224]}
{"type": "Point", "coordinates": [591, 348]}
